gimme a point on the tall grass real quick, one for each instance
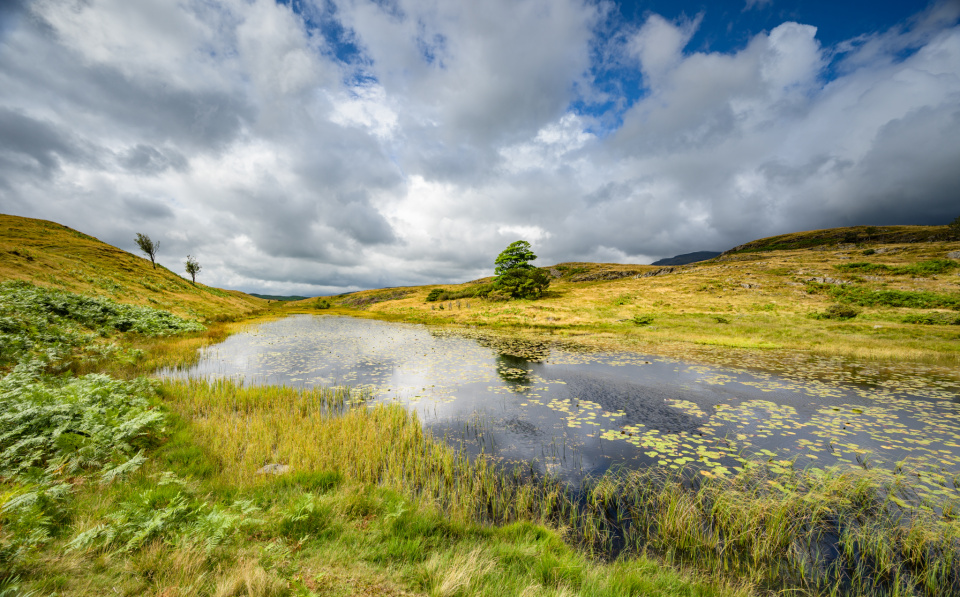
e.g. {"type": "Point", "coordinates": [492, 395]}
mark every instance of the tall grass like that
{"type": "Point", "coordinates": [831, 532]}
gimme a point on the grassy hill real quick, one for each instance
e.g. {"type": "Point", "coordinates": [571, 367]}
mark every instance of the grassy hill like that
{"type": "Point", "coordinates": [886, 293]}
{"type": "Point", "coordinates": [51, 255]}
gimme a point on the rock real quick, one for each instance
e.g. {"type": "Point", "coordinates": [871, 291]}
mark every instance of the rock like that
{"type": "Point", "coordinates": [658, 272]}
{"type": "Point", "coordinates": [555, 273]}
{"type": "Point", "coordinates": [826, 280]}
{"type": "Point", "coordinates": [274, 469]}
{"type": "Point", "coordinates": [953, 255]}
{"type": "Point", "coordinates": [749, 286]}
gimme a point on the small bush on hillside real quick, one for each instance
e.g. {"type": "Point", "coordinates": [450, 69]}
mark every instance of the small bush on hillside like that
{"type": "Point", "coordinates": [955, 228]}
{"type": "Point", "coordinates": [865, 297]}
{"type": "Point", "coordinates": [841, 312]}
{"type": "Point", "coordinates": [929, 267]}
{"type": "Point", "coordinates": [643, 319]}
{"type": "Point", "coordinates": [477, 291]}
{"type": "Point", "coordinates": [322, 304]}
{"type": "Point", "coordinates": [932, 319]}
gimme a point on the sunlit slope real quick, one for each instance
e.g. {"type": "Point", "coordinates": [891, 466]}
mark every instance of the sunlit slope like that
{"type": "Point", "coordinates": [48, 254]}
{"type": "Point", "coordinates": [781, 292]}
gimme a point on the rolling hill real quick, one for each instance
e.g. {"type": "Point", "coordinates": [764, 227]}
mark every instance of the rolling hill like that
{"type": "Point", "coordinates": [49, 254]}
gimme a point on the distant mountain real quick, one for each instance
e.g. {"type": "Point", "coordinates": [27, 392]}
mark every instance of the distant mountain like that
{"type": "Point", "coordinates": [685, 258]}
{"type": "Point", "coordinates": [272, 297]}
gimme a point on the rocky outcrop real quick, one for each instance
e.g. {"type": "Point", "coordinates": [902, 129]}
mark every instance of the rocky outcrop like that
{"type": "Point", "coordinates": [828, 280]}
{"type": "Point", "coordinates": [658, 272]}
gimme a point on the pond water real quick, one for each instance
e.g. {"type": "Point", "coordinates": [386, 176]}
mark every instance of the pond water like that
{"type": "Point", "coordinates": [576, 413]}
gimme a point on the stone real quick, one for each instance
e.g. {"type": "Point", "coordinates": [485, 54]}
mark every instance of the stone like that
{"type": "Point", "coordinates": [274, 469]}
{"type": "Point", "coordinates": [953, 255]}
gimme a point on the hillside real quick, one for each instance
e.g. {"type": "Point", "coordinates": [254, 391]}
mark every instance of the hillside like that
{"type": "Point", "coordinates": [687, 258]}
{"type": "Point", "coordinates": [52, 255]}
{"type": "Point", "coordinates": [891, 294]}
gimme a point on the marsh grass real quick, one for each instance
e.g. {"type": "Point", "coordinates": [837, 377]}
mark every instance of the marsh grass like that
{"type": "Point", "coordinates": [829, 532]}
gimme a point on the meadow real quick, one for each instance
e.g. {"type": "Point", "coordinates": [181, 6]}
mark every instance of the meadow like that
{"type": "Point", "coordinates": [898, 293]}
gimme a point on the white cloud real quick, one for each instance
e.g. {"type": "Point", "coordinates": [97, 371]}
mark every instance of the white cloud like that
{"type": "Point", "coordinates": [232, 130]}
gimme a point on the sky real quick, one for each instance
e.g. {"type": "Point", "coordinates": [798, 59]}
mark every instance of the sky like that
{"type": "Point", "coordinates": [315, 147]}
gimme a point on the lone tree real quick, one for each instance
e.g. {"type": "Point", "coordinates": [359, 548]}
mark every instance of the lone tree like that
{"type": "Point", "coordinates": [193, 268]}
{"type": "Point", "coordinates": [514, 257]}
{"type": "Point", "coordinates": [515, 275]}
{"type": "Point", "coordinates": [149, 247]}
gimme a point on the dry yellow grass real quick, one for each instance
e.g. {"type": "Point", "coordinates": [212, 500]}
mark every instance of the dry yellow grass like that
{"type": "Point", "coordinates": [752, 300]}
{"type": "Point", "coordinates": [48, 254]}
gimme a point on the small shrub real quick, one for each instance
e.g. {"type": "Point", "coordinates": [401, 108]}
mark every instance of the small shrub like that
{"type": "Point", "coordinates": [869, 251]}
{"type": "Point", "coordinates": [322, 304]}
{"type": "Point", "coordinates": [930, 267]}
{"type": "Point", "coordinates": [434, 295]}
{"type": "Point", "coordinates": [955, 228]}
{"type": "Point", "coordinates": [720, 319]}
{"type": "Point", "coordinates": [865, 297]}
{"type": "Point", "coordinates": [623, 299]}
{"type": "Point", "coordinates": [932, 319]}
{"type": "Point", "coordinates": [841, 312]}
{"type": "Point", "coordinates": [643, 319]}
{"type": "Point", "coordinates": [499, 296]}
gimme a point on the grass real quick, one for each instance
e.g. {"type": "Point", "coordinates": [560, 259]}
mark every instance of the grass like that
{"type": "Point", "coordinates": [886, 545]}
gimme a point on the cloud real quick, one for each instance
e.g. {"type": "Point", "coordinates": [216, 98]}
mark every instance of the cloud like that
{"type": "Point", "coordinates": [350, 144]}
{"type": "Point", "coordinates": [752, 4]}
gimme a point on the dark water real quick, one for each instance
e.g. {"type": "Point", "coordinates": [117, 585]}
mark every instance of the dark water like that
{"type": "Point", "coordinates": [576, 413]}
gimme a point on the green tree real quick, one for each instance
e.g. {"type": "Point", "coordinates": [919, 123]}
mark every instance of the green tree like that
{"type": "Point", "coordinates": [193, 268]}
{"type": "Point", "coordinates": [515, 275]}
{"type": "Point", "coordinates": [515, 256]}
{"type": "Point", "coordinates": [149, 247]}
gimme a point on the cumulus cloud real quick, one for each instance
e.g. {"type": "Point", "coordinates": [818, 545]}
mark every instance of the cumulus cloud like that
{"type": "Point", "coordinates": [352, 144]}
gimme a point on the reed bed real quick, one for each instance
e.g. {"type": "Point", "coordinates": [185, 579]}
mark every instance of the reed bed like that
{"type": "Point", "coordinates": [818, 532]}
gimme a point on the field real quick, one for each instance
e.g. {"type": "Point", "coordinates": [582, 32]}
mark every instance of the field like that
{"type": "Point", "coordinates": [115, 483]}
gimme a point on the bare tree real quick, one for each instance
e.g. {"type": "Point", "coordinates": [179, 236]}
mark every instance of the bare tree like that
{"type": "Point", "coordinates": [193, 268]}
{"type": "Point", "coordinates": [149, 247]}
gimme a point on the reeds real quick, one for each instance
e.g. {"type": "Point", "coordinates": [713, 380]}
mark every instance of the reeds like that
{"type": "Point", "coordinates": [824, 532]}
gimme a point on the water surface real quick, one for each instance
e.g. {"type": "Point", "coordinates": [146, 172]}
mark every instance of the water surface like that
{"type": "Point", "coordinates": [577, 413]}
